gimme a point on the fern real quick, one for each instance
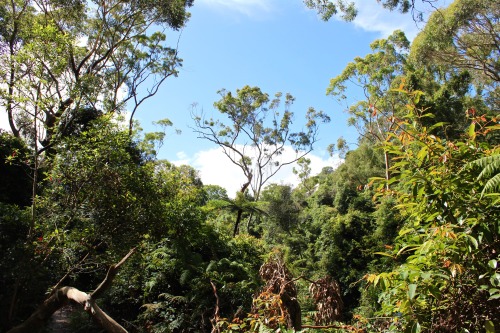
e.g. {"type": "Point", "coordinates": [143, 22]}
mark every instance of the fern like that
{"type": "Point", "coordinates": [172, 298]}
{"type": "Point", "coordinates": [491, 168]}
{"type": "Point", "coordinates": [492, 185]}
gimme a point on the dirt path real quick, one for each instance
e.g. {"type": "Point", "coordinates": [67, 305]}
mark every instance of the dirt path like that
{"type": "Point", "coordinates": [59, 323]}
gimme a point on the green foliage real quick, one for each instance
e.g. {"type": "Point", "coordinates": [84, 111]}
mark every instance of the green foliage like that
{"type": "Point", "coordinates": [378, 74]}
{"type": "Point", "coordinates": [19, 279]}
{"type": "Point", "coordinates": [97, 192]}
{"type": "Point", "coordinates": [215, 192]}
{"type": "Point", "coordinates": [449, 244]}
{"type": "Point", "coordinates": [327, 8]}
{"type": "Point", "coordinates": [491, 169]}
{"type": "Point", "coordinates": [186, 284]}
{"type": "Point", "coordinates": [423, 255]}
{"type": "Point", "coordinates": [446, 99]}
{"type": "Point", "coordinates": [462, 36]}
{"type": "Point", "coordinates": [60, 60]}
{"type": "Point", "coordinates": [243, 206]}
{"type": "Point", "coordinates": [335, 228]}
{"type": "Point", "coordinates": [304, 171]}
{"type": "Point", "coordinates": [282, 215]}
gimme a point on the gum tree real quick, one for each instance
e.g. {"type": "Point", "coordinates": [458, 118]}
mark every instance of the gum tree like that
{"type": "Point", "coordinates": [257, 133]}
{"type": "Point", "coordinates": [377, 74]}
{"type": "Point", "coordinates": [65, 62]}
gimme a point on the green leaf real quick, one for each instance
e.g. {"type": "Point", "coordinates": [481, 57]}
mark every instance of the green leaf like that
{"type": "Point", "coordinates": [472, 131]}
{"type": "Point", "coordinates": [404, 231]}
{"type": "Point", "coordinates": [384, 254]}
{"type": "Point", "coordinates": [493, 291]}
{"type": "Point", "coordinates": [412, 288]}
{"type": "Point", "coordinates": [489, 326]}
{"type": "Point", "coordinates": [422, 154]}
{"type": "Point", "coordinates": [492, 184]}
{"type": "Point", "coordinates": [413, 327]}
{"type": "Point", "coordinates": [495, 296]}
{"type": "Point", "coordinates": [436, 125]}
{"type": "Point", "coordinates": [474, 242]}
{"type": "Point", "coordinates": [492, 263]}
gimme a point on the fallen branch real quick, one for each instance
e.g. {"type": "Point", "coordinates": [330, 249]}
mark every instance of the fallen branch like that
{"type": "Point", "coordinates": [63, 295]}
{"type": "Point", "coordinates": [216, 318]}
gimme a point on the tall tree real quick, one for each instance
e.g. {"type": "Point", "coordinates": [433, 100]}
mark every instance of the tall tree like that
{"type": "Point", "coordinates": [64, 62]}
{"type": "Point", "coordinates": [257, 133]}
{"type": "Point", "coordinates": [464, 36]}
{"type": "Point", "coordinates": [377, 74]}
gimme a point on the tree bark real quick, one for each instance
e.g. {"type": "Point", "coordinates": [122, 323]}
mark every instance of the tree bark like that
{"type": "Point", "coordinates": [63, 295]}
{"type": "Point", "coordinates": [239, 214]}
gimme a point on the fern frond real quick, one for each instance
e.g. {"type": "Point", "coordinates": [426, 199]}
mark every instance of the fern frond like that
{"type": "Point", "coordinates": [492, 185]}
{"type": "Point", "coordinates": [490, 168]}
{"type": "Point", "coordinates": [490, 165]}
{"type": "Point", "coordinates": [185, 276]}
{"type": "Point", "coordinates": [172, 298]}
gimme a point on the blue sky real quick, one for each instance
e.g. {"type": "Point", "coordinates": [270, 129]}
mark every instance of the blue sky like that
{"type": "Point", "coordinates": [277, 45]}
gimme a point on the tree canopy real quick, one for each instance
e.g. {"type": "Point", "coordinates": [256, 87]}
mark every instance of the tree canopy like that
{"type": "Point", "coordinates": [65, 63]}
{"type": "Point", "coordinates": [402, 236]}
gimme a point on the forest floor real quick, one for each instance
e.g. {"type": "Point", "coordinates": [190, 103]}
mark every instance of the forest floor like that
{"type": "Point", "coordinates": [60, 321]}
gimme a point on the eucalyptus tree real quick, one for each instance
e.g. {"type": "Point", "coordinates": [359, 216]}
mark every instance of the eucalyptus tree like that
{"type": "Point", "coordinates": [327, 8]}
{"type": "Point", "coordinates": [257, 133]}
{"type": "Point", "coordinates": [378, 74]}
{"type": "Point", "coordinates": [65, 62]}
{"type": "Point", "coordinates": [465, 37]}
{"type": "Point", "coordinates": [349, 10]}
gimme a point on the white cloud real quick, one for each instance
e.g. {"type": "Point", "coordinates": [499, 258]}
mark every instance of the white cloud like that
{"type": "Point", "coordinates": [216, 169]}
{"type": "Point", "coordinates": [182, 159]}
{"type": "Point", "coordinates": [373, 17]}
{"type": "Point", "coordinates": [246, 7]}
{"type": "Point", "coordinates": [181, 155]}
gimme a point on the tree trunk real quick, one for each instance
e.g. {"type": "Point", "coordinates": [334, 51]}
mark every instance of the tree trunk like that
{"type": "Point", "coordinates": [237, 223]}
{"type": "Point", "coordinates": [387, 167]}
{"type": "Point", "coordinates": [240, 211]}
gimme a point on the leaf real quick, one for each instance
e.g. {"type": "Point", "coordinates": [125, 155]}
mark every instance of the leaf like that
{"type": "Point", "coordinates": [490, 165]}
{"type": "Point", "coordinates": [413, 327]}
{"type": "Point", "coordinates": [474, 241]}
{"type": "Point", "coordinates": [493, 291]}
{"type": "Point", "coordinates": [384, 254]}
{"type": "Point", "coordinates": [404, 232]}
{"type": "Point", "coordinates": [472, 131]}
{"type": "Point", "coordinates": [436, 125]}
{"type": "Point", "coordinates": [408, 248]}
{"type": "Point", "coordinates": [492, 263]}
{"type": "Point", "coordinates": [412, 288]}
{"type": "Point", "coordinates": [492, 184]}
{"type": "Point", "coordinates": [495, 296]}
{"type": "Point", "coordinates": [422, 154]}
{"type": "Point", "coordinates": [494, 127]}
{"type": "Point", "coordinates": [489, 326]}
